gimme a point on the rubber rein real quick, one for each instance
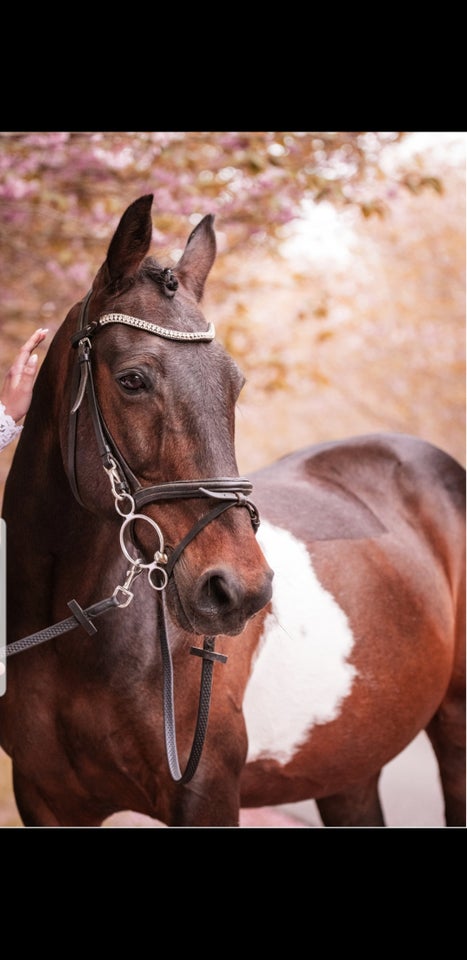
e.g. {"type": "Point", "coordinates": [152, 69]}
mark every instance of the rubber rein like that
{"type": "Point", "coordinates": [129, 497]}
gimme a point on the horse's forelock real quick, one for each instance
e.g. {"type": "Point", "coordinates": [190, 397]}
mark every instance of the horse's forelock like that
{"type": "Point", "coordinates": [163, 276]}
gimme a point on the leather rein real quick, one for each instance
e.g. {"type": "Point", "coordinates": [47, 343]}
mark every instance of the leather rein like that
{"type": "Point", "coordinates": [129, 498]}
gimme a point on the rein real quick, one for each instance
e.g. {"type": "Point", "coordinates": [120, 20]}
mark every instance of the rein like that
{"type": "Point", "coordinates": [129, 497]}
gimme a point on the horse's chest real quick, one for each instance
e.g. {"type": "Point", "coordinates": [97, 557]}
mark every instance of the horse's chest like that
{"type": "Point", "coordinates": [301, 674]}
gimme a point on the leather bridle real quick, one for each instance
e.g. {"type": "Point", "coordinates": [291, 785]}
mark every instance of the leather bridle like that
{"type": "Point", "coordinates": [231, 491]}
{"type": "Point", "coordinates": [130, 496]}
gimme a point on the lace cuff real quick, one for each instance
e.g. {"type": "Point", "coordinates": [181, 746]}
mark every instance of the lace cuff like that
{"type": "Point", "coordinates": [8, 428]}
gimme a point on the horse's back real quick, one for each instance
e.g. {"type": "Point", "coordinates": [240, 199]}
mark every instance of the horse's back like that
{"type": "Point", "coordinates": [363, 487]}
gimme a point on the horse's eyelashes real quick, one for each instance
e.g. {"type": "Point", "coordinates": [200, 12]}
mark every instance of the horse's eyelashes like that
{"type": "Point", "coordinates": [132, 382]}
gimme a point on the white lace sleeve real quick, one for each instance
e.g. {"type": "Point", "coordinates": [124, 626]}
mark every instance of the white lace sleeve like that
{"type": "Point", "coordinates": [8, 428]}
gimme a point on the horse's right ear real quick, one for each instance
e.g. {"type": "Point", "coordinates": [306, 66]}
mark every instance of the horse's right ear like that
{"type": "Point", "coordinates": [198, 256]}
{"type": "Point", "coordinates": [131, 240]}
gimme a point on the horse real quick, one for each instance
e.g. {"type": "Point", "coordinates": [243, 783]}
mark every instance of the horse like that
{"type": "Point", "coordinates": [328, 586]}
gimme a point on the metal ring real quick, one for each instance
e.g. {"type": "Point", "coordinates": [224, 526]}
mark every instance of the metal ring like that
{"type": "Point", "coordinates": [126, 496]}
{"type": "Point", "coordinates": [141, 516]}
{"type": "Point", "coordinates": [165, 578]}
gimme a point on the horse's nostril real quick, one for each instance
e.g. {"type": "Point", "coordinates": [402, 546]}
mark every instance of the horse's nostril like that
{"type": "Point", "coordinates": [222, 596]}
{"type": "Point", "coordinates": [218, 590]}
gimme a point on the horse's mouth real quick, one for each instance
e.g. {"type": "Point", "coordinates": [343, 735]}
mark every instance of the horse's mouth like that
{"type": "Point", "coordinates": [206, 625]}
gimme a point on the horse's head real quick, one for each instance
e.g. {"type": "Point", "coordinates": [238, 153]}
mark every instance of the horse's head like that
{"type": "Point", "coordinates": [155, 405]}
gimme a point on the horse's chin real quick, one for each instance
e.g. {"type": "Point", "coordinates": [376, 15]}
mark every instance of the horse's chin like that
{"type": "Point", "coordinates": [212, 627]}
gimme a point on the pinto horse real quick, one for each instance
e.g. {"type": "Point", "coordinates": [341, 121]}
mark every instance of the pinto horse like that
{"type": "Point", "coordinates": [124, 501]}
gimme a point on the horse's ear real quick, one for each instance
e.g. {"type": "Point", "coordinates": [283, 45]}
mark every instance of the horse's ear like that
{"type": "Point", "coordinates": [198, 257]}
{"type": "Point", "coordinates": [131, 240]}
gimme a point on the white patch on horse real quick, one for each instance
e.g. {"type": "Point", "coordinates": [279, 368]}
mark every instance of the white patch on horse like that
{"type": "Point", "coordinates": [301, 673]}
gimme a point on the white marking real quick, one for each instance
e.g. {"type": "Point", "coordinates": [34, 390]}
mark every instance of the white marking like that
{"type": "Point", "coordinates": [301, 673]}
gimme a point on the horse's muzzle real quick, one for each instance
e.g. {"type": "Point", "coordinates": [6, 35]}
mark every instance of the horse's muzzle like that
{"type": "Point", "coordinates": [222, 602]}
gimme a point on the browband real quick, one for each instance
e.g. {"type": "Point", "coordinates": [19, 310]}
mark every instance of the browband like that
{"type": "Point", "coordinates": [208, 334]}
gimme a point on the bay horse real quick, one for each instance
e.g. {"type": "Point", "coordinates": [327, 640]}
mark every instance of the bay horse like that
{"type": "Point", "coordinates": [339, 620]}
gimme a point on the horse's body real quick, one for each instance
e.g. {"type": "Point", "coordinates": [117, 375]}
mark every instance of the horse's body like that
{"type": "Point", "coordinates": [361, 647]}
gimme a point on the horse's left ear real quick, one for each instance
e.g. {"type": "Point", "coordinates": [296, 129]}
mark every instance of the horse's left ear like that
{"type": "Point", "coordinates": [198, 257]}
{"type": "Point", "coordinates": [131, 240]}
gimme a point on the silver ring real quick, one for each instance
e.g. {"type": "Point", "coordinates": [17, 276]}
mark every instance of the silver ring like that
{"type": "Point", "coordinates": [141, 516]}
{"type": "Point", "coordinates": [125, 496]}
{"type": "Point", "coordinates": [165, 578]}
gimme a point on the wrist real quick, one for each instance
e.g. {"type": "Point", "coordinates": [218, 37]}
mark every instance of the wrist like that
{"type": "Point", "coordinates": [8, 428]}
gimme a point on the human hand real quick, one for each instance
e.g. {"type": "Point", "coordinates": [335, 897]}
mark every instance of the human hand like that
{"type": "Point", "coordinates": [16, 392]}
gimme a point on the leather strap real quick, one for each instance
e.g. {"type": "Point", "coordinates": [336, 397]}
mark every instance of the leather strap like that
{"type": "Point", "coordinates": [73, 420]}
{"type": "Point", "coordinates": [168, 702]}
{"type": "Point", "coordinates": [202, 522]}
{"type": "Point", "coordinates": [224, 488]}
{"type": "Point", "coordinates": [80, 617]}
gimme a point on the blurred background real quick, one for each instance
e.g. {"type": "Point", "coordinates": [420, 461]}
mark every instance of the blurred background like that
{"type": "Point", "coordinates": [339, 284]}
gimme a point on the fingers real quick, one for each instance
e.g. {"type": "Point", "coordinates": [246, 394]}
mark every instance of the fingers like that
{"type": "Point", "coordinates": [34, 340]}
{"type": "Point", "coordinates": [37, 337]}
{"type": "Point", "coordinates": [22, 363]}
{"type": "Point", "coordinates": [18, 385]}
{"type": "Point", "coordinates": [30, 368]}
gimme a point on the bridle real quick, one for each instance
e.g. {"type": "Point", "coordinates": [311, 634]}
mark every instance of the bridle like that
{"type": "Point", "coordinates": [230, 491]}
{"type": "Point", "coordinates": [129, 497]}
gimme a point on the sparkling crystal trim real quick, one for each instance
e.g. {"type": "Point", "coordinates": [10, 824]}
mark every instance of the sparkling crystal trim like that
{"type": "Point", "coordinates": [208, 334]}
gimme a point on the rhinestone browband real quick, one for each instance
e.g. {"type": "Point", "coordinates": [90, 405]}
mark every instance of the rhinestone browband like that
{"type": "Point", "coordinates": [208, 334]}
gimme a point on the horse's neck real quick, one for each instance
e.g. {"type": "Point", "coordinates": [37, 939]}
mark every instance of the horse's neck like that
{"type": "Point", "coordinates": [37, 454]}
{"type": "Point", "coordinates": [37, 484]}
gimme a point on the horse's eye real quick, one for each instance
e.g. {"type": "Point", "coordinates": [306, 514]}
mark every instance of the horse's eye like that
{"type": "Point", "coordinates": [132, 381]}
